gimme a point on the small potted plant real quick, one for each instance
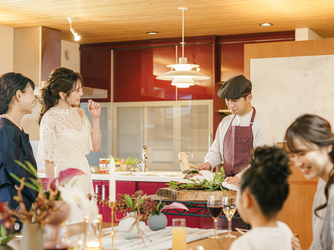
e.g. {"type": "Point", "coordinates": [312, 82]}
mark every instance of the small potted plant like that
{"type": "Point", "coordinates": [138, 208]}
{"type": "Point", "coordinates": [157, 219]}
{"type": "Point", "coordinates": [126, 164]}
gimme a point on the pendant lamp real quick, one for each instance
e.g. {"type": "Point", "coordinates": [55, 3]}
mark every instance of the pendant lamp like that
{"type": "Point", "coordinates": [183, 74]}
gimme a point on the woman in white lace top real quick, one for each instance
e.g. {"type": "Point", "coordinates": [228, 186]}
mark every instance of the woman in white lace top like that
{"type": "Point", "coordinates": [309, 142]}
{"type": "Point", "coordinates": [66, 136]}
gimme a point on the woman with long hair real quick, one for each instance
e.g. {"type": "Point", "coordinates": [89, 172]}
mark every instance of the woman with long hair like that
{"type": "Point", "coordinates": [309, 143]}
{"type": "Point", "coordinates": [16, 100]}
{"type": "Point", "coordinates": [66, 136]}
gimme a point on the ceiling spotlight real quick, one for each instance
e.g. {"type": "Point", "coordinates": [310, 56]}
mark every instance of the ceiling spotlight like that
{"type": "Point", "coordinates": [152, 32]}
{"type": "Point", "coordinates": [265, 24]}
{"type": "Point", "coordinates": [75, 34]}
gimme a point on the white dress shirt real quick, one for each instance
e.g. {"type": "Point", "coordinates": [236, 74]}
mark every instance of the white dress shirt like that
{"type": "Point", "coordinates": [263, 135]}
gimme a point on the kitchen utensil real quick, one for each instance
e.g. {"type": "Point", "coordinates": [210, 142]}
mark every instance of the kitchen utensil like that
{"type": "Point", "coordinates": [184, 162]}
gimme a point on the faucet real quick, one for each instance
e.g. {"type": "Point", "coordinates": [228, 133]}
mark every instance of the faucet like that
{"type": "Point", "coordinates": [142, 166]}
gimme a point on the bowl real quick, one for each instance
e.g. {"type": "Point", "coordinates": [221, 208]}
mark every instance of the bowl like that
{"type": "Point", "coordinates": [125, 167]}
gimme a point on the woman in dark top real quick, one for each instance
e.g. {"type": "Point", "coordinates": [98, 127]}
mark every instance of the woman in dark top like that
{"type": "Point", "coordinates": [16, 100]}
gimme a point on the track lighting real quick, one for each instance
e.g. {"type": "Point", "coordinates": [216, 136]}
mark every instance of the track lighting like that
{"type": "Point", "coordinates": [75, 34]}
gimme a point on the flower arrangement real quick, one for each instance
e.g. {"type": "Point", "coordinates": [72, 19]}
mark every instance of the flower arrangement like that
{"type": "Point", "coordinates": [144, 206]}
{"type": "Point", "coordinates": [136, 203]}
{"type": "Point", "coordinates": [7, 226]}
{"type": "Point", "coordinates": [49, 192]}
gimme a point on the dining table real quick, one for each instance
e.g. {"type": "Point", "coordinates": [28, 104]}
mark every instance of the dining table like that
{"type": "Point", "coordinates": [206, 243]}
{"type": "Point", "coordinates": [157, 240]}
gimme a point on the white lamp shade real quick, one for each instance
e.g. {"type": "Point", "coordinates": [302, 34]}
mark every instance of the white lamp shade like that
{"type": "Point", "coordinates": [183, 82]}
{"type": "Point", "coordinates": [170, 75]}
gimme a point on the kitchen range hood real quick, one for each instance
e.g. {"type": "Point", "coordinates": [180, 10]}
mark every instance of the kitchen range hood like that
{"type": "Point", "coordinates": [88, 93]}
{"type": "Point", "coordinates": [37, 51]}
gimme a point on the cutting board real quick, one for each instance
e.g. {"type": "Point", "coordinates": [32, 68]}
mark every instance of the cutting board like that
{"type": "Point", "coordinates": [190, 195]}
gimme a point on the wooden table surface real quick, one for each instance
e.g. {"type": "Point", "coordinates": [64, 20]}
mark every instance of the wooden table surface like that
{"type": "Point", "coordinates": [208, 244]}
{"type": "Point", "coordinates": [211, 244]}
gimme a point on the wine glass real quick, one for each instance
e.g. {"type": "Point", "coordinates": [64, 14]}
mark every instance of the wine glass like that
{"type": "Point", "coordinates": [229, 209]}
{"type": "Point", "coordinates": [215, 207]}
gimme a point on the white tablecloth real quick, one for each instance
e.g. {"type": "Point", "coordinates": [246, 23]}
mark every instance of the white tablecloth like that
{"type": "Point", "coordinates": [160, 240]}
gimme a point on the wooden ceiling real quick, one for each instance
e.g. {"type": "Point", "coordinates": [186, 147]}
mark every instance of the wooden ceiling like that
{"type": "Point", "coordinates": [124, 20]}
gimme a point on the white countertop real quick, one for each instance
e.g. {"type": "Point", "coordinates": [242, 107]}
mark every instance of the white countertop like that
{"type": "Point", "coordinates": [156, 176]}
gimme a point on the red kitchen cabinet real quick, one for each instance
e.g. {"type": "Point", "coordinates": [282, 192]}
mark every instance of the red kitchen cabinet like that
{"type": "Point", "coordinates": [96, 70]}
{"type": "Point", "coordinates": [123, 187]}
{"type": "Point", "coordinates": [146, 64]}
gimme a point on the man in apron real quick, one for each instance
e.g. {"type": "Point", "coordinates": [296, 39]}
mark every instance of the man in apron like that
{"type": "Point", "coordinates": [238, 134]}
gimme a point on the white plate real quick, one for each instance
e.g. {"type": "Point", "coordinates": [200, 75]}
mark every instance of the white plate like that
{"type": "Point", "coordinates": [122, 173]}
{"type": "Point", "coordinates": [143, 173]}
{"type": "Point", "coordinates": [170, 174]}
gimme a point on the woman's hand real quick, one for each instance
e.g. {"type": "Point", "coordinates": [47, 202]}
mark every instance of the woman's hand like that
{"type": "Point", "coordinates": [94, 109]}
{"type": "Point", "coordinates": [295, 243]}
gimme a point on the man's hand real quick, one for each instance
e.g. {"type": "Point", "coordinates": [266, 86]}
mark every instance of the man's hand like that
{"type": "Point", "coordinates": [232, 180]}
{"type": "Point", "coordinates": [204, 166]}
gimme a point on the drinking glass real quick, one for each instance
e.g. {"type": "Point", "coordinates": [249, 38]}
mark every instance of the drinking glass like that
{"type": "Point", "coordinates": [215, 206]}
{"type": "Point", "coordinates": [179, 234]}
{"type": "Point", "coordinates": [54, 237]}
{"type": "Point", "coordinates": [61, 237]}
{"type": "Point", "coordinates": [229, 209]}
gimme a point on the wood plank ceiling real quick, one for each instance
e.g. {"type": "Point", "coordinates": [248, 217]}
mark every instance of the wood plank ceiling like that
{"type": "Point", "coordinates": [124, 20]}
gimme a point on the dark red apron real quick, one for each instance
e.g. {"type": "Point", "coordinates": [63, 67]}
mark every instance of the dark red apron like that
{"type": "Point", "coordinates": [237, 147]}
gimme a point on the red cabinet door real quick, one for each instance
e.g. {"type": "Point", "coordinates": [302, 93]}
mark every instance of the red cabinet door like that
{"type": "Point", "coordinates": [123, 187]}
{"type": "Point", "coordinates": [98, 191]}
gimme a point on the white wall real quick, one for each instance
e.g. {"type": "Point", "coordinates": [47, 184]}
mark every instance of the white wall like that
{"type": "Point", "coordinates": [70, 55]}
{"type": "Point", "coordinates": [6, 49]}
{"type": "Point", "coordinates": [287, 87]}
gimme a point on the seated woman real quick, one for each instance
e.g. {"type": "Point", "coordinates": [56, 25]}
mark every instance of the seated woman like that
{"type": "Point", "coordinates": [263, 190]}
{"type": "Point", "coordinates": [309, 142]}
{"type": "Point", "coordinates": [16, 100]}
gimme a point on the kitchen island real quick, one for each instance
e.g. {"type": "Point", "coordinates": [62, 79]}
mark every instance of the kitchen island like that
{"type": "Point", "coordinates": [156, 176]}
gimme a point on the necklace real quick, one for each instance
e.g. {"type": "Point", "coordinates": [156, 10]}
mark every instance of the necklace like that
{"type": "Point", "coordinates": [12, 120]}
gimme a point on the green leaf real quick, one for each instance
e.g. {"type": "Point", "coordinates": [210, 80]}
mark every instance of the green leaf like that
{"type": "Point", "coordinates": [30, 168]}
{"type": "Point", "coordinates": [3, 232]}
{"type": "Point", "coordinates": [29, 185]}
{"type": "Point", "coordinates": [140, 201]}
{"type": "Point", "coordinates": [128, 200]}
{"type": "Point", "coordinates": [222, 171]}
